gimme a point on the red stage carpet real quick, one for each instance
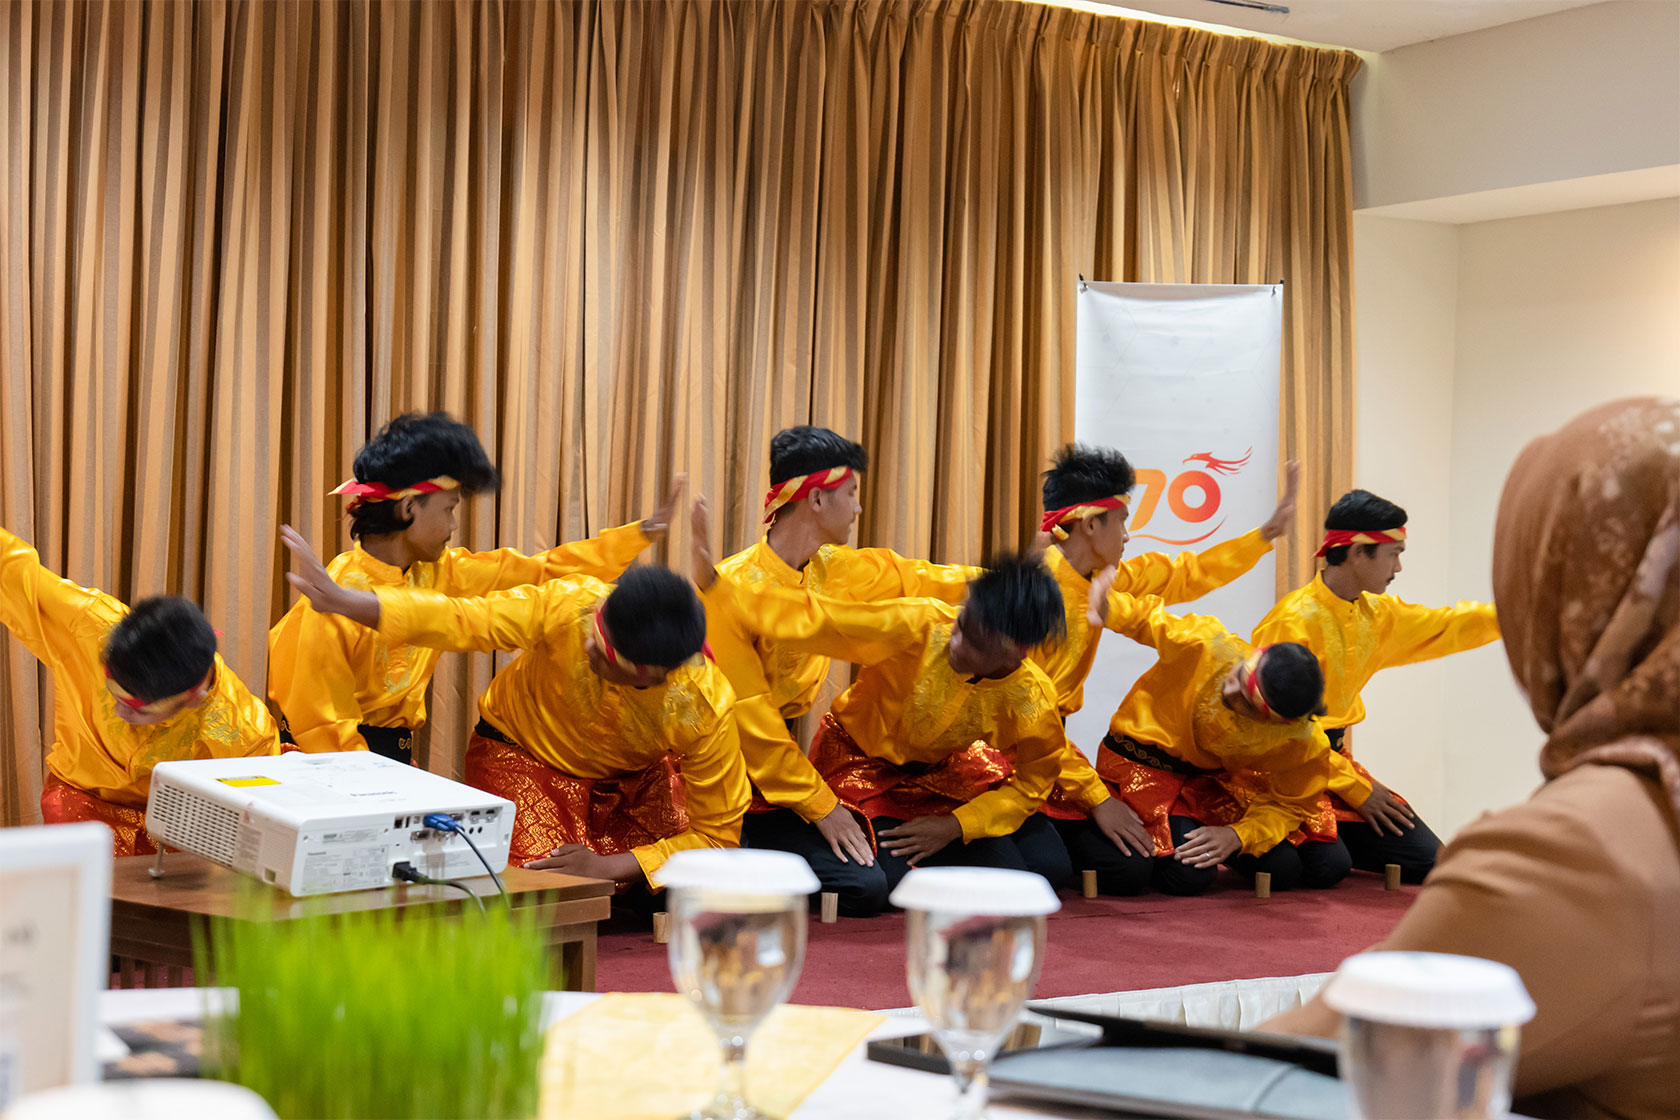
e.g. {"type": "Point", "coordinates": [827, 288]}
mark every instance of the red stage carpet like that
{"type": "Point", "coordinates": [1096, 945]}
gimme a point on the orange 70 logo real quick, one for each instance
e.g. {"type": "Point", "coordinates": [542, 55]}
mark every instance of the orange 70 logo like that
{"type": "Point", "coordinates": [1155, 484]}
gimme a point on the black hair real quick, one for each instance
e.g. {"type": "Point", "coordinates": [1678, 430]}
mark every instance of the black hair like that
{"type": "Point", "coordinates": [162, 647]}
{"type": "Point", "coordinates": [1080, 473]}
{"type": "Point", "coordinates": [654, 617]}
{"type": "Point", "coordinates": [1292, 681]}
{"type": "Point", "coordinates": [412, 448]}
{"type": "Point", "coordinates": [1016, 596]}
{"type": "Point", "coordinates": [1360, 510]}
{"type": "Point", "coordinates": [806, 449]}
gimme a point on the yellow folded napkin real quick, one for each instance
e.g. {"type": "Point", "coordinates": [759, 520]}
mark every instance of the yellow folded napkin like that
{"type": "Point", "coordinates": [650, 1056]}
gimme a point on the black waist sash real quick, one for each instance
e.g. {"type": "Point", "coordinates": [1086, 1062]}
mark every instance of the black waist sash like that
{"type": "Point", "coordinates": [1153, 757]}
{"type": "Point", "coordinates": [395, 743]}
{"type": "Point", "coordinates": [490, 731]}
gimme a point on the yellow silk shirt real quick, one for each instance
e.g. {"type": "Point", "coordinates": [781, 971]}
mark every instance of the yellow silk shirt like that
{"type": "Point", "coordinates": [1173, 579]}
{"type": "Point", "coordinates": [326, 674]}
{"type": "Point", "coordinates": [95, 749]}
{"type": "Point", "coordinates": [774, 682]}
{"type": "Point", "coordinates": [1176, 707]}
{"type": "Point", "coordinates": [1354, 640]}
{"type": "Point", "coordinates": [907, 706]}
{"type": "Point", "coordinates": [558, 709]}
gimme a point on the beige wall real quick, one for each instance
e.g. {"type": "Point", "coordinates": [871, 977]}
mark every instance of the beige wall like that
{"type": "Point", "coordinates": [1556, 313]}
{"type": "Point", "coordinates": [1471, 340]}
{"type": "Point", "coordinates": [1405, 309]}
{"type": "Point", "coordinates": [1580, 93]}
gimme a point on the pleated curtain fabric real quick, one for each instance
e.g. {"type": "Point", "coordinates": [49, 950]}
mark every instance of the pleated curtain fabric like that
{"type": "Point", "coordinates": [622, 238]}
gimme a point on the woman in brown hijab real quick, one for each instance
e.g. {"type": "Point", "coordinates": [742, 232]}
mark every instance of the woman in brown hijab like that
{"type": "Point", "coordinates": [1578, 888]}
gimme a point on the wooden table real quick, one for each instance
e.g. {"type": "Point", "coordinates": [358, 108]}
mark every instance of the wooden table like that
{"type": "Point", "coordinates": [152, 920]}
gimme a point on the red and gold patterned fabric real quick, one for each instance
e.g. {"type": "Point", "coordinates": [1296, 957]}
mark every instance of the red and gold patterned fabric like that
{"type": "Point", "coordinates": [62, 803]}
{"type": "Point", "coordinates": [606, 815]}
{"type": "Point", "coordinates": [877, 788]}
{"type": "Point", "coordinates": [1156, 792]}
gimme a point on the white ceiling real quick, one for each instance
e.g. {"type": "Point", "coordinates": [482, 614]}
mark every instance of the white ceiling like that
{"type": "Point", "coordinates": [1365, 25]}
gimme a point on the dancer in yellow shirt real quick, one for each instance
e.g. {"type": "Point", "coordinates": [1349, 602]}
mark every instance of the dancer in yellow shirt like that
{"type": "Point", "coordinates": [948, 742]}
{"type": "Point", "coordinates": [132, 687]}
{"type": "Point", "coordinates": [810, 510]}
{"type": "Point", "coordinates": [1215, 750]}
{"type": "Point", "coordinates": [1346, 618]}
{"type": "Point", "coordinates": [612, 734]}
{"type": "Point", "coordinates": [1085, 505]}
{"type": "Point", "coordinates": [339, 686]}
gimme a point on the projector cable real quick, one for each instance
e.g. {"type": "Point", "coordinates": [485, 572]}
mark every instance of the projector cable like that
{"type": "Point", "coordinates": [443, 822]}
{"type": "Point", "coordinates": [405, 872]}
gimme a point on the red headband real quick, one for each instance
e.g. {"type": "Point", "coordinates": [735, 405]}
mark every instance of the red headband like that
{"type": "Point", "coordinates": [1336, 538]}
{"type": "Point", "coordinates": [1054, 518]}
{"type": "Point", "coordinates": [1250, 681]}
{"type": "Point", "coordinates": [607, 650]}
{"type": "Point", "coordinates": [359, 492]}
{"type": "Point", "coordinates": [800, 486]}
{"type": "Point", "coordinates": [611, 654]}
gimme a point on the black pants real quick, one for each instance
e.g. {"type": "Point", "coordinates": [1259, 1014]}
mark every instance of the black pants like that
{"type": "Point", "coordinates": [1121, 874]}
{"type": "Point", "coordinates": [862, 890]}
{"type": "Point", "coordinates": [1414, 850]}
{"type": "Point", "coordinates": [1371, 850]}
{"type": "Point", "coordinates": [1317, 864]}
{"type": "Point", "coordinates": [1172, 877]}
{"type": "Point", "coordinates": [1034, 846]}
{"type": "Point", "coordinates": [1091, 850]}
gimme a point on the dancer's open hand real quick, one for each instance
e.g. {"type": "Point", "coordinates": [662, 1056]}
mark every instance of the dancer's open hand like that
{"type": "Point", "coordinates": [313, 581]}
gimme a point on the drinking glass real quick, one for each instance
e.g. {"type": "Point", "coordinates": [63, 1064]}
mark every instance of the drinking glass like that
{"type": "Point", "coordinates": [974, 949]}
{"type": "Point", "coordinates": [738, 922]}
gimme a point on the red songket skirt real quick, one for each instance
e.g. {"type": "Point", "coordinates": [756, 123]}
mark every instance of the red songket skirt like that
{"type": "Point", "coordinates": [606, 815]}
{"type": "Point", "coordinates": [63, 803]}
{"type": "Point", "coordinates": [1218, 797]}
{"type": "Point", "coordinates": [874, 787]}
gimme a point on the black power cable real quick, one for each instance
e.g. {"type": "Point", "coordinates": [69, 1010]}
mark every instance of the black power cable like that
{"type": "Point", "coordinates": [406, 873]}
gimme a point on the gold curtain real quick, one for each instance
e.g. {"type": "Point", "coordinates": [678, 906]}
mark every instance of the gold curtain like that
{"type": "Point", "coordinates": [621, 238]}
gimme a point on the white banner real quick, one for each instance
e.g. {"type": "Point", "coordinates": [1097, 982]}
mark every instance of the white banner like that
{"type": "Point", "coordinates": [1183, 379]}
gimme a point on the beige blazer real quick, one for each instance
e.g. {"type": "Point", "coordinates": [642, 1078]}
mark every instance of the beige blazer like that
{"type": "Point", "coordinates": [1578, 889]}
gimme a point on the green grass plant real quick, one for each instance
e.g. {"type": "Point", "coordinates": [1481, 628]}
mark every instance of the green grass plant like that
{"type": "Point", "coordinates": [360, 1015]}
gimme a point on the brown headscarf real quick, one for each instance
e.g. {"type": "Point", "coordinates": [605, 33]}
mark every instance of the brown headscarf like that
{"type": "Point", "coordinates": [1586, 576]}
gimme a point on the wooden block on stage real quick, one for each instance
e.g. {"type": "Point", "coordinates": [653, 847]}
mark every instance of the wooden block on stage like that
{"type": "Point", "coordinates": [1262, 884]}
{"type": "Point", "coordinates": [830, 907]}
{"type": "Point", "coordinates": [1088, 884]}
{"type": "Point", "coordinates": [661, 928]}
{"type": "Point", "coordinates": [1391, 876]}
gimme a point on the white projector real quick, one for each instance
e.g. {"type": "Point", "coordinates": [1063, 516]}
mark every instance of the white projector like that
{"type": "Point", "coordinates": [320, 823]}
